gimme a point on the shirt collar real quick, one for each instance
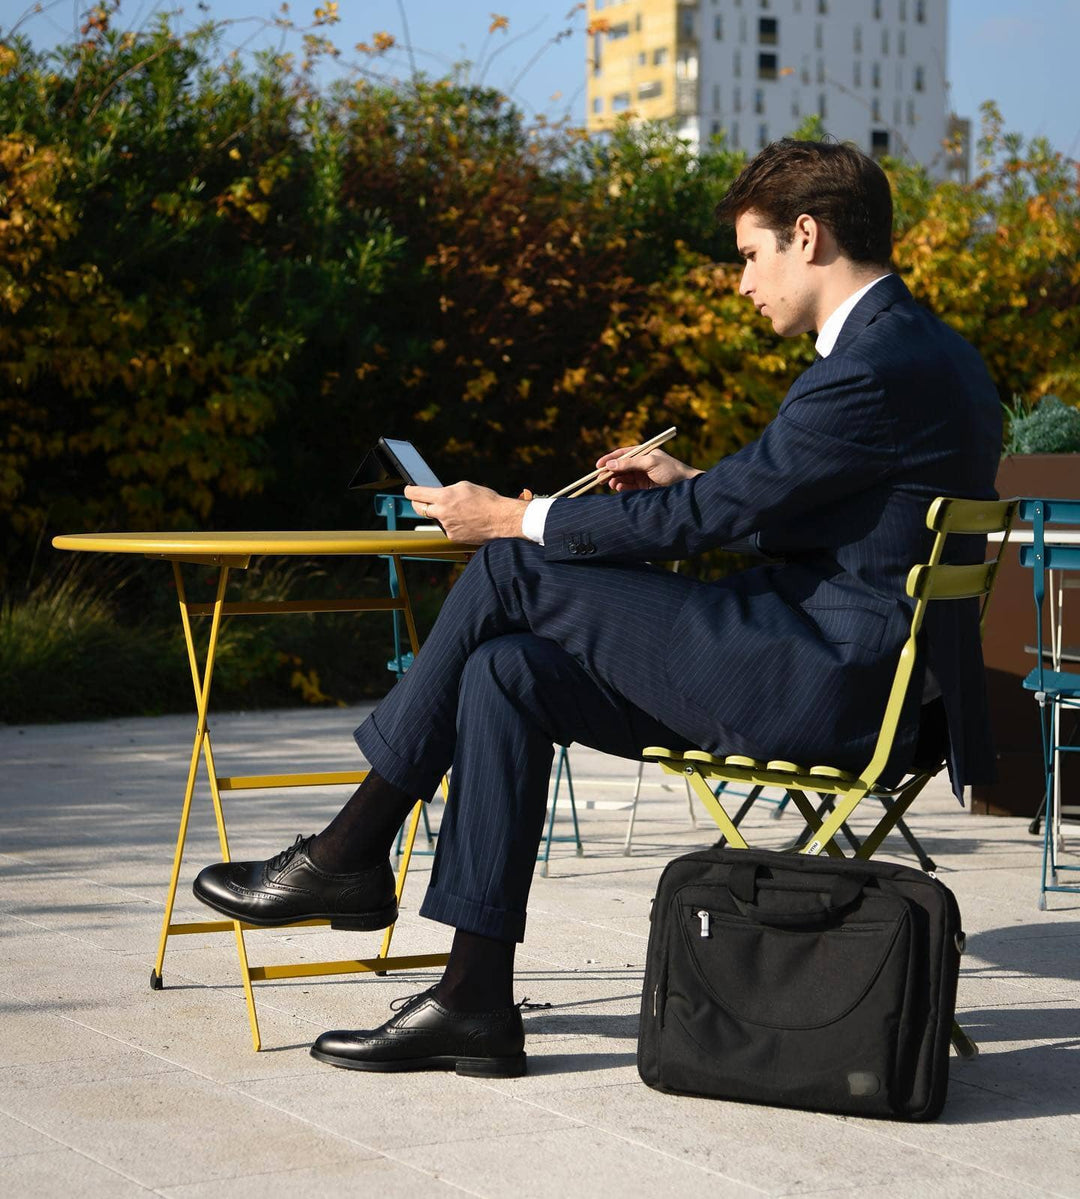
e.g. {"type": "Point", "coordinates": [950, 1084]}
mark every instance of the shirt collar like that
{"type": "Point", "coordinates": [830, 330]}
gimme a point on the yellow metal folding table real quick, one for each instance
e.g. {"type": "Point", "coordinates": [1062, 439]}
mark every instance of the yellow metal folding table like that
{"type": "Point", "coordinates": [234, 551]}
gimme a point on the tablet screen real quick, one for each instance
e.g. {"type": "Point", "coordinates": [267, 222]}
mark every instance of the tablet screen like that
{"type": "Point", "coordinates": [413, 468]}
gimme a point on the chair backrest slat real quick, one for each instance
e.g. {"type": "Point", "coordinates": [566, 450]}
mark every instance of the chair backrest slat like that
{"type": "Point", "coordinates": [950, 582]}
{"type": "Point", "coordinates": [969, 516]}
{"type": "Point", "coordinates": [1054, 557]}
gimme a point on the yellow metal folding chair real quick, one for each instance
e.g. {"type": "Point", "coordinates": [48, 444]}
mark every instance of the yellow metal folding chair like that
{"type": "Point", "coordinates": [927, 582]}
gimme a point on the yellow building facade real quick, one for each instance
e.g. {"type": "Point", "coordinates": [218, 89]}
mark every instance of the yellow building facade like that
{"type": "Point", "coordinates": [636, 54]}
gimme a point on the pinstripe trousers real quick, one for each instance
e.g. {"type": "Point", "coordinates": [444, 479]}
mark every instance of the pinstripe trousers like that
{"type": "Point", "coordinates": [525, 653]}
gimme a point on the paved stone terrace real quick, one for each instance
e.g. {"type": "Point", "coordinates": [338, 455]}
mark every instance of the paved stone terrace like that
{"type": "Point", "coordinates": [109, 1089]}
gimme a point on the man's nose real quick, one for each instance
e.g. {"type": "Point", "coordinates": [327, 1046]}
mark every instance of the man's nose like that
{"type": "Point", "coordinates": [744, 283]}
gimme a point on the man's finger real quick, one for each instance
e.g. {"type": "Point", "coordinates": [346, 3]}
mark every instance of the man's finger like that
{"type": "Point", "coordinates": [425, 495]}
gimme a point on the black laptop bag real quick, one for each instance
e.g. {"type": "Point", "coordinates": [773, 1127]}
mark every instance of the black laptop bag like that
{"type": "Point", "coordinates": [810, 982]}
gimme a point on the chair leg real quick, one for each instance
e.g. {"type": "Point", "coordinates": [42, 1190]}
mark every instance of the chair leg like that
{"type": "Point", "coordinates": [573, 808]}
{"type": "Point", "coordinates": [965, 1047]}
{"type": "Point", "coordinates": [690, 805]}
{"type": "Point", "coordinates": [633, 809]}
{"type": "Point", "coordinates": [744, 807]}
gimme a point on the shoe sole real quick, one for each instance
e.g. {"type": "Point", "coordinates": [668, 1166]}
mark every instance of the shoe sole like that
{"type": "Point", "coordinates": [360, 922]}
{"type": "Point", "coordinates": [467, 1067]}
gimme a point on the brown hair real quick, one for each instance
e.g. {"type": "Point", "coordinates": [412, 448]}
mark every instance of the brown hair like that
{"type": "Point", "coordinates": [831, 181]}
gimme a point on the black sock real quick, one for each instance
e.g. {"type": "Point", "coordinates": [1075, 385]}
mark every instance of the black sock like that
{"type": "Point", "coordinates": [479, 977]}
{"type": "Point", "coordinates": [362, 833]}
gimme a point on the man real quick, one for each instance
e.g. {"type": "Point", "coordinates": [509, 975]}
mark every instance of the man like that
{"type": "Point", "coordinates": [558, 630]}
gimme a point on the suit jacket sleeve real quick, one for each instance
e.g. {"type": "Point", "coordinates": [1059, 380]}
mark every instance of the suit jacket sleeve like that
{"type": "Point", "coordinates": [833, 436]}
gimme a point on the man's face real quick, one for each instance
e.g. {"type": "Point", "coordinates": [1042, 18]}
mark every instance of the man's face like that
{"type": "Point", "coordinates": [778, 281]}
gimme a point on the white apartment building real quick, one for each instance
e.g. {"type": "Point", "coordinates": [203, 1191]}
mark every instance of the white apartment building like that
{"type": "Point", "coordinates": [752, 70]}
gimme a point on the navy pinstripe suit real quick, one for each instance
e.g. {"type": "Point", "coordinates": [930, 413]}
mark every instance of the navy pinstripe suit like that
{"type": "Point", "coordinates": [579, 640]}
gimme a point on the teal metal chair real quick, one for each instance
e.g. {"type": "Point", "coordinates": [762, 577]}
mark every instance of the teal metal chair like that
{"type": "Point", "coordinates": [1056, 690]}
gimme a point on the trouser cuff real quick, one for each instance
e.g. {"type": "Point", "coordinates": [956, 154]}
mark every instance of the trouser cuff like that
{"type": "Point", "coordinates": [471, 916]}
{"type": "Point", "coordinates": [397, 771]}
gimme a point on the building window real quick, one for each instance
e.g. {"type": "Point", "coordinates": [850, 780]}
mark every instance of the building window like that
{"type": "Point", "coordinates": [875, 75]}
{"type": "Point", "coordinates": [899, 78]}
{"type": "Point", "coordinates": [877, 10]}
{"type": "Point", "coordinates": [858, 39]}
{"type": "Point", "coordinates": [686, 23]}
{"type": "Point", "coordinates": [819, 36]}
{"type": "Point", "coordinates": [821, 70]}
{"type": "Point", "coordinates": [911, 112]}
{"type": "Point", "coordinates": [735, 136]}
{"type": "Point", "coordinates": [885, 41]}
{"type": "Point", "coordinates": [896, 112]}
{"type": "Point", "coordinates": [660, 56]}
{"type": "Point", "coordinates": [821, 106]}
{"type": "Point", "coordinates": [879, 142]}
{"type": "Point", "coordinates": [686, 65]}
{"type": "Point", "coordinates": [759, 100]}
{"type": "Point", "coordinates": [650, 90]}
{"type": "Point", "coordinates": [736, 99]}
{"type": "Point", "coordinates": [805, 76]}
{"type": "Point", "coordinates": [920, 11]}
{"type": "Point", "coordinates": [795, 107]}
{"type": "Point", "coordinates": [642, 58]}
{"type": "Point", "coordinates": [901, 43]}
{"type": "Point", "coordinates": [823, 6]}
{"type": "Point", "coordinates": [618, 32]}
{"type": "Point", "coordinates": [736, 65]}
{"type": "Point", "coordinates": [637, 23]}
{"type": "Point", "coordinates": [620, 102]}
{"type": "Point", "coordinates": [742, 28]}
{"type": "Point", "coordinates": [763, 136]}
{"type": "Point", "coordinates": [875, 109]}
{"type": "Point", "coordinates": [766, 66]}
{"type": "Point", "coordinates": [716, 97]}
{"type": "Point", "coordinates": [857, 73]}
{"type": "Point", "coordinates": [715, 129]}
{"type": "Point", "coordinates": [598, 104]}
{"type": "Point", "coordinates": [920, 81]}
{"type": "Point", "coordinates": [718, 27]}
{"type": "Point", "coordinates": [903, 10]}
{"type": "Point", "coordinates": [767, 31]}
{"type": "Point", "coordinates": [597, 52]}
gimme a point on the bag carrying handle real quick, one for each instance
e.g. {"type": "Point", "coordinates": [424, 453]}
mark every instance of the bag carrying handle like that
{"type": "Point", "coordinates": [846, 889]}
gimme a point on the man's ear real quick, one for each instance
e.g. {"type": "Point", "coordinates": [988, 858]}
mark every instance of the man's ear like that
{"type": "Point", "coordinates": [807, 239]}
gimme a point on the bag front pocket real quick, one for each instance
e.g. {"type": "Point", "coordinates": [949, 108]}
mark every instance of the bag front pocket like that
{"type": "Point", "coordinates": [807, 1016]}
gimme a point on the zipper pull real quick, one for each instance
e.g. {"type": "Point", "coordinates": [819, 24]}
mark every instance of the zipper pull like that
{"type": "Point", "coordinates": [703, 916]}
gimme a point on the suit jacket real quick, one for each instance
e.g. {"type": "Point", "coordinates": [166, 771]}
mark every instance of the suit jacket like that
{"type": "Point", "coordinates": [794, 658]}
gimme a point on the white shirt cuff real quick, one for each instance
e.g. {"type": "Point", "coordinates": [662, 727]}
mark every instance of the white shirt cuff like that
{"type": "Point", "coordinates": [534, 519]}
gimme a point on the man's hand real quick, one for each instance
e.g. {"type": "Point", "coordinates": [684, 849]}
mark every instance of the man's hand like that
{"type": "Point", "coordinates": [468, 512]}
{"type": "Point", "coordinates": [652, 469]}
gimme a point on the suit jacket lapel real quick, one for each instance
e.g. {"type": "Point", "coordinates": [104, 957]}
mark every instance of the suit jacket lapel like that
{"type": "Point", "coordinates": [891, 290]}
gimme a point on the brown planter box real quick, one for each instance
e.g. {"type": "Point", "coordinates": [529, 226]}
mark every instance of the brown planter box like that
{"type": "Point", "coordinates": [1007, 649]}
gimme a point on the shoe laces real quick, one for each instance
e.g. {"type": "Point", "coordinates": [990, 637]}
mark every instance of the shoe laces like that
{"type": "Point", "coordinates": [404, 1001]}
{"type": "Point", "coordinates": [281, 860]}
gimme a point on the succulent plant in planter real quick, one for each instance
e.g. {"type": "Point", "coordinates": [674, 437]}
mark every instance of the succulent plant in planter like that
{"type": "Point", "coordinates": [1050, 427]}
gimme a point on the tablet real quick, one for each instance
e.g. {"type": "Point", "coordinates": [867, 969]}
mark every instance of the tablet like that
{"type": "Point", "coordinates": [391, 462]}
{"type": "Point", "coordinates": [408, 463]}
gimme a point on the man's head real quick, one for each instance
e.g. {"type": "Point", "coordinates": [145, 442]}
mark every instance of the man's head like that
{"type": "Point", "coordinates": [811, 219]}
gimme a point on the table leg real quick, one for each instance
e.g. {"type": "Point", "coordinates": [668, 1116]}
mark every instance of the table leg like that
{"type": "Point", "coordinates": [202, 697]}
{"type": "Point", "coordinates": [414, 820]}
{"type": "Point", "coordinates": [202, 748]}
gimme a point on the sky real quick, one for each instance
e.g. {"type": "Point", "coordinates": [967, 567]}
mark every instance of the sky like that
{"type": "Point", "coordinates": [1020, 53]}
